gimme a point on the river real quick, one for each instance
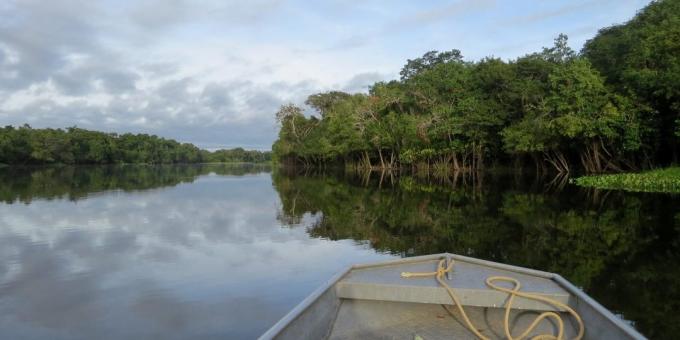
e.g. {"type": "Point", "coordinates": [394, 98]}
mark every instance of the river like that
{"type": "Point", "coordinates": [223, 251]}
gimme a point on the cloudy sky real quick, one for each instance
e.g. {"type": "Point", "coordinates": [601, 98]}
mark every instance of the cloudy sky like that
{"type": "Point", "coordinates": [213, 72]}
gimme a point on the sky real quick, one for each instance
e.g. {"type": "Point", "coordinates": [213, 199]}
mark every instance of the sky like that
{"type": "Point", "coordinates": [214, 72]}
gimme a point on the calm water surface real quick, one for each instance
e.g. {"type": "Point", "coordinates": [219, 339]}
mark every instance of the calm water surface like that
{"type": "Point", "coordinates": [216, 251]}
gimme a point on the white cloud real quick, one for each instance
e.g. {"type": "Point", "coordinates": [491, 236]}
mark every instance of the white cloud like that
{"type": "Point", "coordinates": [214, 73]}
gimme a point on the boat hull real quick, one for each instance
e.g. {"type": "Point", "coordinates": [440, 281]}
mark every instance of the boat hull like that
{"type": "Point", "coordinates": [374, 302]}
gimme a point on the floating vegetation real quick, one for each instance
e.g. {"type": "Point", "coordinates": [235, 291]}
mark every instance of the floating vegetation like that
{"type": "Point", "coordinates": [661, 180]}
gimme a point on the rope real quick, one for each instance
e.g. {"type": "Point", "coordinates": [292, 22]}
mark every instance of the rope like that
{"type": "Point", "coordinates": [514, 291]}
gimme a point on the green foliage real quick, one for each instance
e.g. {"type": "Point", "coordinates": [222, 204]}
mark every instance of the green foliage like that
{"type": "Point", "coordinates": [427, 61]}
{"type": "Point", "coordinates": [612, 108]}
{"type": "Point", "coordinates": [641, 60]}
{"type": "Point", "coordinates": [25, 145]}
{"type": "Point", "coordinates": [324, 102]}
{"type": "Point", "coordinates": [237, 155]}
{"type": "Point", "coordinates": [662, 180]}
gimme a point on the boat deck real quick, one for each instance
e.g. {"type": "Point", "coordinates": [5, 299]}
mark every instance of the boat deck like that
{"type": "Point", "coordinates": [365, 319]}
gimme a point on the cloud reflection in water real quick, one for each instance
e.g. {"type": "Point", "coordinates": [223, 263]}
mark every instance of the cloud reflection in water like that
{"type": "Point", "coordinates": [204, 259]}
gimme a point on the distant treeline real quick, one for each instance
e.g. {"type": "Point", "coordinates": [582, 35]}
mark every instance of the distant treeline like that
{"type": "Point", "coordinates": [612, 107]}
{"type": "Point", "coordinates": [25, 145]}
{"type": "Point", "coordinates": [25, 184]}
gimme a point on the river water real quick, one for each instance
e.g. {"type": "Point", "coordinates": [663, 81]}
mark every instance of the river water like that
{"type": "Point", "coordinates": [223, 251]}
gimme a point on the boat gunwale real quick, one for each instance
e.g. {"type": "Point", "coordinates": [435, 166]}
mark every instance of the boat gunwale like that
{"type": "Point", "coordinates": [558, 279]}
{"type": "Point", "coordinates": [472, 260]}
{"type": "Point", "coordinates": [303, 305]}
{"type": "Point", "coordinates": [618, 322]}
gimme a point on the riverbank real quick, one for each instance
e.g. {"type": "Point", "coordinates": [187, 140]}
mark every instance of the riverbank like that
{"type": "Point", "coordinates": [660, 180]}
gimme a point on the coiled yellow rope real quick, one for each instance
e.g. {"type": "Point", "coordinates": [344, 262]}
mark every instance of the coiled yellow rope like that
{"type": "Point", "coordinates": [443, 269]}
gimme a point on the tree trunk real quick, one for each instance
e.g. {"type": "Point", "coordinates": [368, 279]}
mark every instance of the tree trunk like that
{"type": "Point", "coordinates": [596, 156]}
{"type": "Point", "coordinates": [537, 162]}
{"type": "Point", "coordinates": [367, 160]}
{"type": "Point", "coordinates": [557, 160]}
{"type": "Point", "coordinates": [474, 159]}
{"type": "Point", "coordinates": [480, 156]}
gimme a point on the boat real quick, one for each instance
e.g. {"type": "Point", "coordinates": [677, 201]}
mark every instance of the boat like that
{"type": "Point", "coordinates": [448, 296]}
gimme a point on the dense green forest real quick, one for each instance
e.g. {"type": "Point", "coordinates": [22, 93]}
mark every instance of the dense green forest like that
{"type": "Point", "coordinates": [612, 107]}
{"type": "Point", "coordinates": [25, 145]}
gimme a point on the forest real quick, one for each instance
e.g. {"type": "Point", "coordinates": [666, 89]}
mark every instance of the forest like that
{"type": "Point", "coordinates": [25, 145]}
{"type": "Point", "coordinates": [612, 107]}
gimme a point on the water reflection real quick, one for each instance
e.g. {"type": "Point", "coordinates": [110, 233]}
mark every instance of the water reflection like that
{"type": "Point", "coordinates": [23, 184]}
{"type": "Point", "coordinates": [213, 251]}
{"type": "Point", "coordinates": [622, 248]}
{"type": "Point", "coordinates": [200, 256]}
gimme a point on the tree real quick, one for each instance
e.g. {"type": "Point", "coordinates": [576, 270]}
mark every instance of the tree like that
{"type": "Point", "coordinates": [582, 110]}
{"type": "Point", "coordinates": [613, 108]}
{"type": "Point", "coordinates": [324, 102]}
{"type": "Point", "coordinates": [641, 60]}
{"type": "Point", "coordinates": [427, 61]}
{"type": "Point", "coordinates": [26, 145]}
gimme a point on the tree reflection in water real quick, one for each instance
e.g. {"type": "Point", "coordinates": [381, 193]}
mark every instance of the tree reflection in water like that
{"type": "Point", "coordinates": [622, 248]}
{"type": "Point", "coordinates": [24, 184]}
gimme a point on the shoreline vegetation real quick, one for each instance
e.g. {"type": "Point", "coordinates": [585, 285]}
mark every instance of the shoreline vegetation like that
{"type": "Point", "coordinates": [614, 107]}
{"type": "Point", "coordinates": [657, 181]}
{"type": "Point", "coordinates": [28, 146]}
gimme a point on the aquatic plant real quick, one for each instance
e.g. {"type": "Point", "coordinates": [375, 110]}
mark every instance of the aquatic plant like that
{"type": "Point", "coordinates": [660, 180]}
